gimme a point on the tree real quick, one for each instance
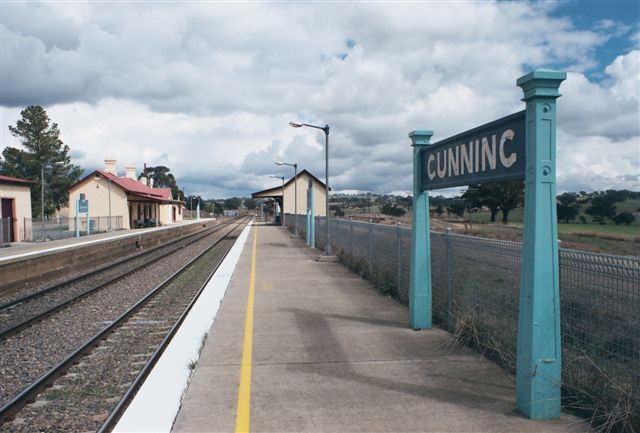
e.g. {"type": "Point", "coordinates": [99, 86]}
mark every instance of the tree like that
{"type": "Point", "coordinates": [568, 198]}
{"type": "Point", "coordinates": [602, 208]}
{"type": "Point", "coordinates": [217, 208]}
{"type": "Point", "coordinates": [393, 210]}
{"type": "Point", "coordinates": [439, 210]}
{"type": "Point", "coordinates": [232, 203]}
{"type": "Point", "coordinates": [456, 208]}
{"type": "Point", "coordinates": [625, 218]}
{"type": "Point", "coordinates": [566, 213]}
{"type": "Point", "coordinates": [568, 206]}
{"type": "Point", "coordinates": [162, 178]}
{"type": "Point", "coordinates": [42, 148]}
{"type": "Point", "coordinates": [250, 203]}
{"type": "Point", "coordinates": [500, 196]}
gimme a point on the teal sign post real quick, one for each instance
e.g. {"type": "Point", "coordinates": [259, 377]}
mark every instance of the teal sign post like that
{"type": "Point", "coordinates": [82, 206]}
{"type": "Point", "coordinates": [311, 219]}
{"type": "Point", "coordinates": [539, 354]}
{"type": "Point", "coordinates": [495, 149]}
{"type": "Point", "coordinates": [420, 275]}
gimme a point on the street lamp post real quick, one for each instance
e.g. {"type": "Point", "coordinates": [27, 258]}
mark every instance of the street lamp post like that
{"type": "Point", "coordinates": [42, 167]}
{"type": "Point", "coordinates": [281, 210]}
{"type": "Point", "coordinates": [295, 176]}
{"type": "Point", "coordinates": [327, 247]}
{"type": "Point", "coordinates": [42, 198]}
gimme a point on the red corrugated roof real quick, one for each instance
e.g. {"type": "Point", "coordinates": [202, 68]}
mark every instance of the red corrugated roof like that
{"type": "Point", "coordinates": [11, 179]}
{"type": "Point", "coordinates": [133, 186]}
{"type": "Point", "coordinates": [166, 193]}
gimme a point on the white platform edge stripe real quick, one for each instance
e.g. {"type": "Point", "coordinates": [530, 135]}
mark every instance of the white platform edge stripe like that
{"type": "Point", "coordinates": [156, 404]}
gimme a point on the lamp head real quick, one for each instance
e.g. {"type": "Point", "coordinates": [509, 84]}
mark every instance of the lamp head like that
{"type": "Point", "coordinates": [279, 162]}
{"type": "Point", "coordinates": [295, 125]}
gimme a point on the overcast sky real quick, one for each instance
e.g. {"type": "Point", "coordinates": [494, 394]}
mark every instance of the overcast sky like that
{"type": "Point", "coordinates": [208, 89]}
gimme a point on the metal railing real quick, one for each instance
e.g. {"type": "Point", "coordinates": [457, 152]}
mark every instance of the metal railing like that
{"type": "Point", "coordinates": [5, 232]}
{"type": "Point", "coordinates": [63, 227]}
{"type": "Point", "coordinates": [475, 288]}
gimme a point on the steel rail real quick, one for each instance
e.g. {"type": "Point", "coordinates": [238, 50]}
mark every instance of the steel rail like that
{"type": "Point", "coordinates": [5, 333]}
{"type": "Point", "coordinates": [103, 268]}
{"type": "Point", "coordinates": [9, 410]}
{"type": "Point", "coordinates": [116, 413]}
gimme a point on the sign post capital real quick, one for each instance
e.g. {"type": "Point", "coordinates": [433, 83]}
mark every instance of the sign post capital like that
{"type": "Point", "coordinates": [420, 137]}
{"type": "Point", "coordinates": [541, 83]}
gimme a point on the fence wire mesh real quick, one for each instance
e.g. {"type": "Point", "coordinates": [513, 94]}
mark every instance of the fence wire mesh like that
{"type": "Point", "coordinates": [51, 228]}
{"type": "Point", "coordinates": [475, 288]}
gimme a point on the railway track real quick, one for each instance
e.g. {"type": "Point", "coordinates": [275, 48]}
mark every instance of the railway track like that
{"type": "Point", "coordinates": [29, 353]}
{"type": "Point", "coordinates": [90, 387]}
{"type": "Point", "coordinates": [22, 312]}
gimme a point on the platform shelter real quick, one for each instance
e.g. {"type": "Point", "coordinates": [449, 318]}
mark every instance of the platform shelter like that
{"type": "Point", "coordinates": [285, 196]}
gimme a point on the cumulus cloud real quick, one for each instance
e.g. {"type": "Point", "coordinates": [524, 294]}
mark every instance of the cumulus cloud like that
{"type": "Point", "coordinates": [208, 89]}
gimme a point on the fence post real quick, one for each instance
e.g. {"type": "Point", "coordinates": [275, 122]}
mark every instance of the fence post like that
{"type": "Point", "coordinates": [399, 252]}
{"type": "Point", "coordinates": [351, 237]}
{"type": "Point", "coordinates": [420, 267]}
{"type": "Point", "coordinates": [370, 246]}
{"type": "Point", "coordinates": [449, 278]}
{"type": "Point", "coordinates": [538, 368]}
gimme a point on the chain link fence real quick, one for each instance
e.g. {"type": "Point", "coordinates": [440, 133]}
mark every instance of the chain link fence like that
{"type": "Point", "coordinates": [5, 232]}
{"type": "Point", "coordinates": [35, 229]}
{"type": "Point", "coordinates": [475, 287]}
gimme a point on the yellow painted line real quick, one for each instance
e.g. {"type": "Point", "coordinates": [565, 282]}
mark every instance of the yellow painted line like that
{"type": "Point", "coordinates": [244, 392]}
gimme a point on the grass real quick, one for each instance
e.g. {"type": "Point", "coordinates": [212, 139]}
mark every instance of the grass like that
{"type": "Point", "coordinates": [609, 239]}
{"type": "Point", "coordinates": [599, 230]}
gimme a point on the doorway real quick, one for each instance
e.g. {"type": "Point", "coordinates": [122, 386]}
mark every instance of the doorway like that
{"type": "Point", "coordinates": [7, 214]}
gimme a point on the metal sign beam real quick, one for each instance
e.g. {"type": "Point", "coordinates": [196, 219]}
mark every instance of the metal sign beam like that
{"type": "Point", "coordinates": [493, 152]}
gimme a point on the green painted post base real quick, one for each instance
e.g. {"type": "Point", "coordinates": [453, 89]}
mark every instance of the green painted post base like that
{"type": "Point", "coordinates": [420, 268]}
{"type": "Point", "coordinates": [538, 370]}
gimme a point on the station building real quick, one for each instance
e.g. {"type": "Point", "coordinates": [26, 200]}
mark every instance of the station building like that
{"type": "Point", "coordinates": [135, 202]}
{"type": "Point", "coordinates": [15, 195]}
{"type": "Point", "coordinates": [285, 196]}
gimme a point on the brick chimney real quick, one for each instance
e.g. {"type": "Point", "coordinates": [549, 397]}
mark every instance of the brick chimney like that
{"type": "Point", "coordinates": [130, 172]}
{"type": "Point", "coordinates": [110, 166]}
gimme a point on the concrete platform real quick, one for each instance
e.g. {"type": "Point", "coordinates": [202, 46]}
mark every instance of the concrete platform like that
{"type": "Point", "coordinates": [35, 264]}
{"type": "Point", "coordinates": [23, 250]}
{"type": "Point", "coordinates": [330, 354]}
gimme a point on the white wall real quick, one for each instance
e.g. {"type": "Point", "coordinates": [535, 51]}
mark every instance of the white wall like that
{"type": "Point", "coordinates": [303, 183]}
{"type": "Point", "coordinates": [97, 193]}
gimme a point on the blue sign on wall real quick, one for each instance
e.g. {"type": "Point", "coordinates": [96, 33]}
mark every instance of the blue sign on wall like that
{"type": "Point", "coordinates": [493, 152]}
{"type": "Point", "coordinates": [83, 206]}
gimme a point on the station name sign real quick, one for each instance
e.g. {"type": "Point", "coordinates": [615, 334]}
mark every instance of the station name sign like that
{"type": "Point", "coordinates": [493, 152]}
